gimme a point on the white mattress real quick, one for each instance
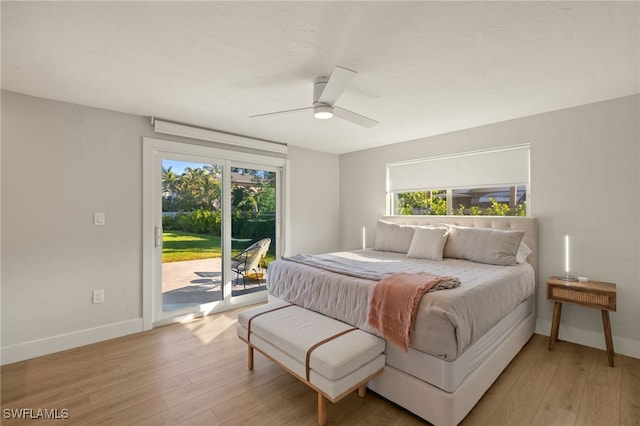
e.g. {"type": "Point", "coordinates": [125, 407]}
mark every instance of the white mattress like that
{"type": "Point", "coordinates": [448, 321]}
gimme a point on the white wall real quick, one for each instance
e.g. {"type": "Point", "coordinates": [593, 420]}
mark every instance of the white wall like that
{"type": "Point", "coordinates": [314, 191]}
{"type": "Point", "coordinates": [584, 182]}
{"type": "Point", "coordinates": [61, 163]}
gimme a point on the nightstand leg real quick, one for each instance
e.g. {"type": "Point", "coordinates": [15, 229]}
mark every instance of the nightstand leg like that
{"type": "Point", "coordinates": [606, 325]}
{"type": "Point", "coordinates": [555, 325]}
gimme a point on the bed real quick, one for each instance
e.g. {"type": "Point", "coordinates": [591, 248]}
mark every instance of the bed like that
{"type": "Point", "coordinates": [464, 336]}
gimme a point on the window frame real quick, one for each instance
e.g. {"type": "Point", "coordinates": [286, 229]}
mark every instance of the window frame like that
{"type": "Point", "coordinates": [154, 150]}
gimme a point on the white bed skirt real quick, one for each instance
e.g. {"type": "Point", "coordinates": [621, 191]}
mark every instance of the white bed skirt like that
{"type": "Point", "coordinates": [444, 408]}
{"type": "Point", "coordinates": [448, 375]}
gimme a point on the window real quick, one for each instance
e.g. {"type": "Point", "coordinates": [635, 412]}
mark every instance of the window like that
{"type": "Point", "coordinates": [489, 183]}
{"type": "Point", "coordinates": [420, 202]}
{"type": "Point", "coordinates": [490, 201]}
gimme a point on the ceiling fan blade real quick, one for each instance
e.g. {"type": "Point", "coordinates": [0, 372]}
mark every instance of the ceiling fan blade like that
{"type": "Point", "coordinates": [353, 117]}
{"type": "Point", "coordinates": [338, 81]}
{"type": "Point", "coordinates": [288, 111]}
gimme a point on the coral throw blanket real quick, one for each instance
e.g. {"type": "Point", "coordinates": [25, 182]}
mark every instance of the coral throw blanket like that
{"type": "Point", "coordinates": [395, 301]}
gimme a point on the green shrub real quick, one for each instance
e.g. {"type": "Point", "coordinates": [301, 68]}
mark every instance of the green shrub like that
{"type": "Point", "coordinates": [199, 221]}
{"type": "Point", "coordinates": [169, 223]}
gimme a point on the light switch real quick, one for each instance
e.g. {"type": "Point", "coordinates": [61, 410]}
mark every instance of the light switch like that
{"type": "Point", "coordinates": [98, 219]}
{"type": "Point", "coordinates": [98, 296]}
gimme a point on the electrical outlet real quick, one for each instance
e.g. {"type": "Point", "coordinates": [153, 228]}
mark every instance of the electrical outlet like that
{"type": "Point", "coordinates": [98, 296]}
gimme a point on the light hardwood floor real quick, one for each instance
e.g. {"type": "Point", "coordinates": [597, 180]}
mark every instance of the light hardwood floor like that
{"type": "Point", "coordinates": [196, 374]}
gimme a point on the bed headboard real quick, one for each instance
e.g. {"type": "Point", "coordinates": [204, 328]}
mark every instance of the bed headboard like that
{"type": "Point", "coordinates": [527, 224]}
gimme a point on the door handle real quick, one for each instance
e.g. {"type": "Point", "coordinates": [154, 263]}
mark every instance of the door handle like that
{"type": "Point", "coordinates": [158, 236]}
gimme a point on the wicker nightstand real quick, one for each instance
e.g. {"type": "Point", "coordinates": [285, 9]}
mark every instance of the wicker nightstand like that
{"type": "Point", "coordinates": [592, 294]}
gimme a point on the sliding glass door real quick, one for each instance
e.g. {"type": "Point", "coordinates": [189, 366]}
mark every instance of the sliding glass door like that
{"type": "Point", "coordinates": [214, 218]}
{"type": "Point", "coordinates": [191, 234]}
{"type": "Point", "coordinates": [253, 227]}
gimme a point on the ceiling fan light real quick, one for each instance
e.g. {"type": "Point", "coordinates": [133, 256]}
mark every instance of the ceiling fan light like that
{"type": "Point", "coordinates": [323, 112]}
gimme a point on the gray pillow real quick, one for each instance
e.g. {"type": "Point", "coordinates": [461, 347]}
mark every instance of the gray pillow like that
{"type": "Point", "coordinates": [484, 245]}
{"type": "Point", "coordinates": [393, 237]}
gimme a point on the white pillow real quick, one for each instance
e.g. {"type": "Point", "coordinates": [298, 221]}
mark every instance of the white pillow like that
{"type": "Point", "coordinates": [393, 237]}
{"type": "Point", "coordinates": [484, 245]}
{"type": "Point", "coordinates": [523, 252]}
{"type": "Point", "coordinates": [428, 243]}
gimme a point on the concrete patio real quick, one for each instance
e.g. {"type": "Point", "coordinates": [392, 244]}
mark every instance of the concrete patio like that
{"type": "Point", "coordinates": [195, 282]}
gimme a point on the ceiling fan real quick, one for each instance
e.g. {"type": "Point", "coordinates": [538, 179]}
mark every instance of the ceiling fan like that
{"type": "Point", "coordinates": [326, 92]}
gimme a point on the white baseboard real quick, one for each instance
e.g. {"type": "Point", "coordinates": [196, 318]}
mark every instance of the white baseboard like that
{"type": "Point", "coordinates": [61, 342]}
{"type": "Point", "coordinates": [590, 338]}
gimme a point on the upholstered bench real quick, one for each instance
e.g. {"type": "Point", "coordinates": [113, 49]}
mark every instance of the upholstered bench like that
{"type": "Point", "coordinates": [329, 356]}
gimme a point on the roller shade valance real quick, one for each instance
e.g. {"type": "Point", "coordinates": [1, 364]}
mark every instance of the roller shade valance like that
{"type": "Point", "coordinates": [177, 129]}
{"type": "Point", "coordinates": [504, 166]}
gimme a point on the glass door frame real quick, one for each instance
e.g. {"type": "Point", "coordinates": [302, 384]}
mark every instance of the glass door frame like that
{"type": "Point", "coordinates": [196, 308]}
{"type": "Point", "coordinates": [154, 150]}
{"type": "Point", "coordinates": [253, 298]}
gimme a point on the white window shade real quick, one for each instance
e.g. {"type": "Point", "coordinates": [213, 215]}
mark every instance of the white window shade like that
{"type": "Point", "coordinates": [176, 129]}
{"type": "Point", "coordinates": [504, 166]}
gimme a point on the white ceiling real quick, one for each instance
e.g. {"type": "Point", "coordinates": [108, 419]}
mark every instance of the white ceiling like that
{"type": "Point", "coordinates": [424, 67]}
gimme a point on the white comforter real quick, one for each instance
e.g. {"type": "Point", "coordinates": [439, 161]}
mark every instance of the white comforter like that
{"type": "Point", "coordinates": [448, 321]}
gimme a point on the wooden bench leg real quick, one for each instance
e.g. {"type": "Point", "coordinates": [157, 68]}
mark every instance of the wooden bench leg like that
{"type": "Point", "coordinates": [322, 410]}
{"type": "Point", "coordinates": [250, 357]}
{"type": "Point", "coordinates": [362, 390]}
{"type": "Point", "coordinates": [606, 325]}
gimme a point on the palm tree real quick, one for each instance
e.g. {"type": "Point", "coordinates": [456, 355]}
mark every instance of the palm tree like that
{"type": "Point", "coordinates": [199, 188]}
{"type": "Point", "coordinates": [169, 188]}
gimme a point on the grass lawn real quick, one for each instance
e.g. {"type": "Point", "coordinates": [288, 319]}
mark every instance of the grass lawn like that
{"type": "Point", "coordinates": [178, 246]}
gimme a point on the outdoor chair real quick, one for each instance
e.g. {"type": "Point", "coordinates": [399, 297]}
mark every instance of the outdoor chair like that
{"type": "Point", "coordinates": [250, 260]}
